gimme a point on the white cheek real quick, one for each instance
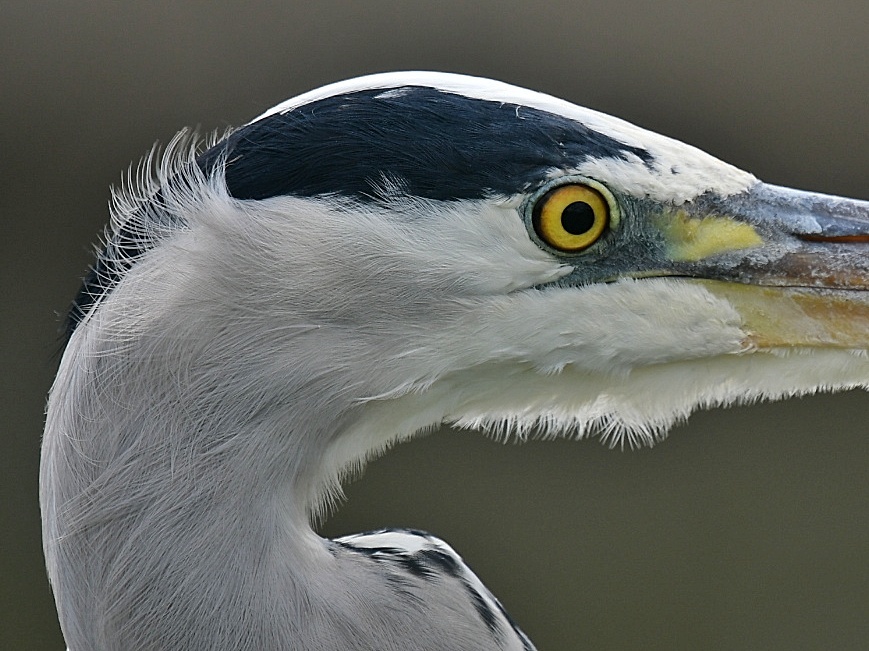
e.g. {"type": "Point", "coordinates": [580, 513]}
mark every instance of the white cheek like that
{"type": "Point", "coordinates": [493, 250]}
{"type": "Point", "coordinates": [472, 248]}
{"type": "Point", "coordinates": [611, 328]}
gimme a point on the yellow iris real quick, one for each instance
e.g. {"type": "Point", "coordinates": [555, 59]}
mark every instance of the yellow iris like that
{"type": "Point", "coordinates": [571, 218]}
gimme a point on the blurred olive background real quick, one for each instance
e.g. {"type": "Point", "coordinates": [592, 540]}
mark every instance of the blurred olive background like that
{"type": "Point", "coordinates": [747, 529]}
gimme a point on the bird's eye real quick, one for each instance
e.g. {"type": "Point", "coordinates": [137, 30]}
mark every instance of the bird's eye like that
{"type": "Point", "coordinates": [571, 218]}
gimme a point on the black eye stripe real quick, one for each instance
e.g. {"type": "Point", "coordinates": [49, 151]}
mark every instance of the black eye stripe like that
{"type": "Point", "coordinates": [434, 144]}
{"type": "Point", "coordinates": [441, 145]}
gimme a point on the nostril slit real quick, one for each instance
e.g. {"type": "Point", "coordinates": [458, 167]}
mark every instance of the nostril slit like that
{"type": "Point", "coordinates": [847, 239]}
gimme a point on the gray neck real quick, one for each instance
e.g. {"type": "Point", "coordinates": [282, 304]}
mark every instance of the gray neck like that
{"type": "Point", "coordinates": [171, 523]}
{"type": "Point", "coordinates": [168, 512]}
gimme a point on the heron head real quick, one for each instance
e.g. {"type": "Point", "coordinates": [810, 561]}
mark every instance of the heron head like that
{"type": "Point", "coordinates": [434, 248]}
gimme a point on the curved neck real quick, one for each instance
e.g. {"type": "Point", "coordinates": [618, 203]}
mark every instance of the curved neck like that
{"type": "Point", "coordinates": [155, 501]}
{"type": "Point", "coordinates": [177, 520]}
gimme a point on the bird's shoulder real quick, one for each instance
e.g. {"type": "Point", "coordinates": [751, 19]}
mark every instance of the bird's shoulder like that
{"type": "Point", "coordinates": [430, 560]}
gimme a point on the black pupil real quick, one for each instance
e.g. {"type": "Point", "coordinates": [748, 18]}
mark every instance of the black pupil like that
{"type": "Point", "coordinates": [577, 218]}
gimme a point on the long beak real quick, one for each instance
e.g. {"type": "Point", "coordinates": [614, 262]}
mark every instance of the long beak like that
{"type": "Point", "coordinates": [794, 264]}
